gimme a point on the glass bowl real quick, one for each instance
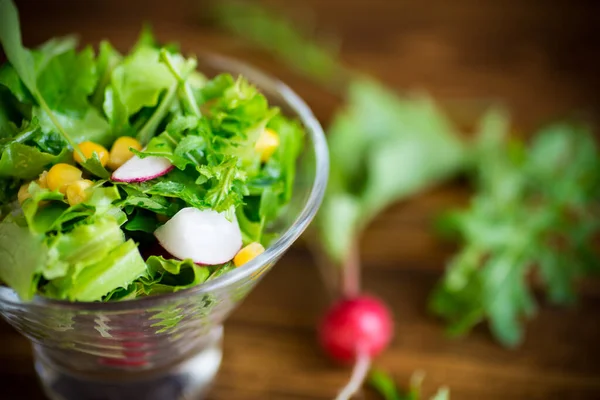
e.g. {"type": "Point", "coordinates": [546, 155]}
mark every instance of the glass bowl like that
{"type": "Point", "coordinates": [165, 346]}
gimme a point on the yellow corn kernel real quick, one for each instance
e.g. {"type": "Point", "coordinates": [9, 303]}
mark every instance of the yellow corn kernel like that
{"type": "Point", "coordinates": [42, 181]}
{"type": "Point", "coordinates": [23, 193]}
{"type": "Point", "coordinates": [88, 149]}
{"type": "Point", "coordinates": [62, 175]}
{"type": "Point", "coordinates": [77, 191]}
{"type": "Point", "coordinates": [120, 153]}
{"type": "Point", "coordinates": [266, 144]}
{"type": "Point", "coordinates": [248, 253]}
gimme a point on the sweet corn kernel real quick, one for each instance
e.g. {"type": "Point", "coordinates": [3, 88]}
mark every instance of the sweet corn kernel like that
{"type": "Point", "coordinates": [77, 191]}
{"type": "Point", "coordinates": [23, 193]}
{"type": "Point", "coordinates": [266, 144]}
{"type": "Point", "coordinates": [248, 253]}
{"type": "Point", "coordinates": [62, 175]}
{"type": "Point", "coordinates": [88, 149]}
{"type": "Point", "coordinates": [120, 153]}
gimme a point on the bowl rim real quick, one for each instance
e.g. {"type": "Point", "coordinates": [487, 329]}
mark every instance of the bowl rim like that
{"type": "Point", "coordinates": [317, 191]}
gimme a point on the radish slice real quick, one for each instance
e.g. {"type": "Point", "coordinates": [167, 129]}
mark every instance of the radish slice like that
{"type": "Point", "coordinates": [204, 236]}
{"type": "Point", "coordinates": [142, 169]}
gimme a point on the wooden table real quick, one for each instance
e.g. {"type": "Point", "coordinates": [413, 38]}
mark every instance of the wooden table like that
{"type": "Point", "coordinates": [542, 58]}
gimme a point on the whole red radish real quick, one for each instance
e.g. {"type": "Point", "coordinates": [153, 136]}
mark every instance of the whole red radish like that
{"type": "Point", "coordinates": [361, 324]}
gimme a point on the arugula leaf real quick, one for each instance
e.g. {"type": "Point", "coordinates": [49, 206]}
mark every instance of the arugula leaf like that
{"type": "Point", "coordinates": [226, 184]}
{"type": "Point", "coordinates": [176, 184]}
{"type": "Point", "coordinates": [18, 246]}
{"type": "Point", "coordinates": [527, 201]}
{"type": "Point", "coordinates": [135, 197]}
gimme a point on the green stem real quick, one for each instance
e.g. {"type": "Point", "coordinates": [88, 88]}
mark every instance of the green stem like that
{"type": "Point", "coordinates": [149, 128]}
{"type": "Point", "coordinates": [187, 95]}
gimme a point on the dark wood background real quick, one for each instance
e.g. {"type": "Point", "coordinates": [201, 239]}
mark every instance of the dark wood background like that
{"type": "Point", "coordinates": [541, 57]}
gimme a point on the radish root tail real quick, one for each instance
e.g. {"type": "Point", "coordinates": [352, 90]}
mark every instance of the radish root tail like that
{"type": "Point", "coordinates": [359, 373]}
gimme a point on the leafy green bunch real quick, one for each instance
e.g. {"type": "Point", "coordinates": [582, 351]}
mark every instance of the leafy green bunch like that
{"type": "Point", "coordinates": [533, 217]}
{"type": "Point", "coordinates": [55, 96]}
{"type": "Point", "coordinates": [535, 208]}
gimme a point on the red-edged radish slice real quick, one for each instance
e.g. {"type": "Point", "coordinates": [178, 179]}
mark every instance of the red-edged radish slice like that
{"type": "Point", "coordinates": [204, 236]}
{"type": "Point", "coordinates": [138, 169]}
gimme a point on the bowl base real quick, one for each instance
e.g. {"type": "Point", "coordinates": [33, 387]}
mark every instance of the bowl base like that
{"type": "Point", "coordinates": [190, 379]}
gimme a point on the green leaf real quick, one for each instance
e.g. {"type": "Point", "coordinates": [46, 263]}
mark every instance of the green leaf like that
{"type": "Point", "coordinates": [384, 385]}
{"type": "Point", "coordinates": [91, 127]}
{"type": "Point", "coordinates": [383, 148]}
{"type": "Point", "coordinates": [53, 47]}
{"type": "Point", "coordinates": [93, 165]}
{"type": "Point", "coordinates": [135, 197]}
{"type": "Point", "coordinates": [10, 37]}
{"type": "Point", "coordinates": [164, 145]}
{"type": "Point", "coordinates": [26, 162]}
{"type": "Point", "coordinates": [225, 184]}
{"type": "Point", "coordinates": [87, 244]}
{"type": "Point", "coordinates": [19, 247]}
{"type": "Point", "coordinates": [176, 274]}
{"type": "Point", "coordinates": [118, 269]}
{"type": "Point", "coordinates": [108, 59]}
{"type": "Point", "coordinates": [10, 79]}
{"type": "Point", "coordinates": [214, 88]}
{"type": "Point", "coordinates": [67, 81]}
{"type": "Point", "coordinates": [143, 222]}
{"type": "Point", "coordinates": [176, 184]}
{"type": "Point", "coordinates": [251, 231]}
{"type": "Point", "coordinates": [534, 213]}
{"type": "Point", "coordinates": [140, 79]}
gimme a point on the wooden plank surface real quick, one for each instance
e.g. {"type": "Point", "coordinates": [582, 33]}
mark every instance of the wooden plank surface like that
{"type": "Point", "coordinates": [541, 57]}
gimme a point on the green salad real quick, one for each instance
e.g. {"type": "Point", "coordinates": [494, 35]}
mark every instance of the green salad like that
{"type": "Point", "coordinates": [127, 175]}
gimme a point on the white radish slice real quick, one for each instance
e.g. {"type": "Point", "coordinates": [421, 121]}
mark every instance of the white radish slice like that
{"type": "Point", "coordinates": [138, 169]}
{"type": "Point", "coordinates": [204, 236]}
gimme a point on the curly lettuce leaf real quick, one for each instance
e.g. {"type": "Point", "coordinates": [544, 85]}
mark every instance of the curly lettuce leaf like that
{"type": "Point", "coordinates": [172, 275]}
{"type": "Point", "coordinates": [117, 269]}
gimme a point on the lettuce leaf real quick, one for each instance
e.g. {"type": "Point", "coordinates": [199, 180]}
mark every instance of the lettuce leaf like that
{"type": "Point", "coordinates": [19, 247]}
{"type": "Point", "coordinates": [117, 269]}
{"type": "Point", "coordinates": [140, 79]}
{"type": "Point", "coordinates": [26, 162]}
